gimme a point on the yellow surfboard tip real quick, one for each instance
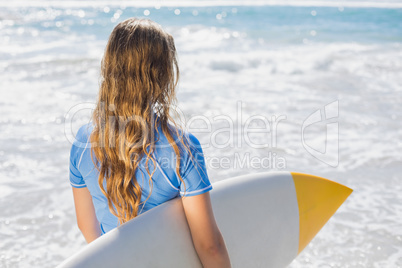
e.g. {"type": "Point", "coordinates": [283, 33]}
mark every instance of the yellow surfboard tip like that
{"type": "Point", "coordinates": [318, 199]}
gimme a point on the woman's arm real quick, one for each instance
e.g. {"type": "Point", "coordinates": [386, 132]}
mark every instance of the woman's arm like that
{"type": "Point", "coordinates": [86, 219]}
{"type": "Point", "coordinates": [207, 238]}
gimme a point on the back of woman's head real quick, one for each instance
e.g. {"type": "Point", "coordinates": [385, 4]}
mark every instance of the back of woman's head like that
{"type": "Point", "coordinates": [139, 66]}
{"type": "Point", "coordinates": [139, 74]}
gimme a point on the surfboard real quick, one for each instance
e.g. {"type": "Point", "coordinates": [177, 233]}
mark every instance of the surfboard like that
{"type": "Point", "coordinates": [266, 220]}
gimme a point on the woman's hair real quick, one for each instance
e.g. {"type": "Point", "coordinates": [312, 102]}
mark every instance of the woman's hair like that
{"type": "Point", "coordinates": [139, 74]}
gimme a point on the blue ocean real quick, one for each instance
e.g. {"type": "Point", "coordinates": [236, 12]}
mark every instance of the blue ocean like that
{"type": "Point", "coordinates": [281, 63]}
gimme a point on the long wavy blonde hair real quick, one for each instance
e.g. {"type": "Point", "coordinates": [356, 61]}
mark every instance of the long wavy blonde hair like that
{"type": "Point", "coordinates": [139, 74]}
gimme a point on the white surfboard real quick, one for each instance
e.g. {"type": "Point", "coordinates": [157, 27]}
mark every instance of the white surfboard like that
{"type": "Point", "coordinates": [266, 220]}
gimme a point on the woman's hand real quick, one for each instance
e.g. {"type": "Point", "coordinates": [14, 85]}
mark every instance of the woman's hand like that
{"type": "Point", "coordinates": [207, 238]}
{"type": "Point", "coordinates": [86, 218]}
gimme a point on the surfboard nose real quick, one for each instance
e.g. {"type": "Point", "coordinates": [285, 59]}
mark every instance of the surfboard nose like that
{"type": "Point", "coordinates": [318, 199]}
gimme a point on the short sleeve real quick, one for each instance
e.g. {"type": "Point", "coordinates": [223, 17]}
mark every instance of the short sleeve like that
{"type": "Point", "coordinates": [194, 173]}
{"type": "Point", "coordinates": [76, 179]}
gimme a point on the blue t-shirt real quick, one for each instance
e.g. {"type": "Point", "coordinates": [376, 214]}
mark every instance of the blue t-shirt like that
{"type": "Point", "coordinates": [166, 183]}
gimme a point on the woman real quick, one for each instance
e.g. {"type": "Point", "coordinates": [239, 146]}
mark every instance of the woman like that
{"type": "Point", "coordinates": [129, 159]}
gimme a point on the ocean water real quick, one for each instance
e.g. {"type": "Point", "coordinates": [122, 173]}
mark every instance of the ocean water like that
{"type": "Point", "coordinates": [243, 65]}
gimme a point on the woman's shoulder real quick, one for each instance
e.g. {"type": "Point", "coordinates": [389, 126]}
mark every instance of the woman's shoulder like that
{"type": "Point", "coordinates": [184, 137]}
{"type": "Point", "coordinates": [81, 144]}
{"type": "Point", "coordinates": [83, 135]}
{"type": "Point", "coordinates": [191, 140]}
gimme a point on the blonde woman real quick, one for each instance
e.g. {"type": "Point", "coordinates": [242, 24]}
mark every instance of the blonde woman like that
{"type": "Point", "coordinates": [132, 156]}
